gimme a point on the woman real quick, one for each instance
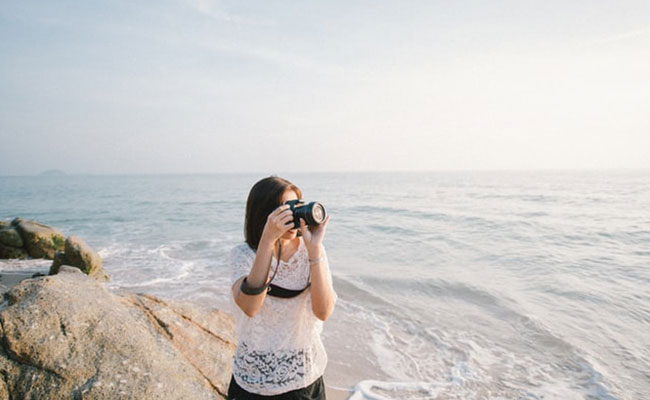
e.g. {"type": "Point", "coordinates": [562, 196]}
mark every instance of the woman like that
{"type": "Point", "coordinates": [282, 288]}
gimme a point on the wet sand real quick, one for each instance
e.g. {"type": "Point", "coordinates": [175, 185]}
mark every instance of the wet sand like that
{"type": "Point", "coordinates": [9, 279]}
{"type": "Point", "coordinates": [336, 394]}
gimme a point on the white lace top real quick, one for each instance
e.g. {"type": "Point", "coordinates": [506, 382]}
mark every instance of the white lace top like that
{"type": "Point", "coordinates": [280, 348]}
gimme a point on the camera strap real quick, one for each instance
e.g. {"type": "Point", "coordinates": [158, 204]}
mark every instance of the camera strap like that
{"type": "Point", "coordinates": [279, 291]}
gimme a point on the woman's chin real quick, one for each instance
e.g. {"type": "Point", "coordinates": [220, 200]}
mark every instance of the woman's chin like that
{"type": "Point", "coordinates": [290, 234]}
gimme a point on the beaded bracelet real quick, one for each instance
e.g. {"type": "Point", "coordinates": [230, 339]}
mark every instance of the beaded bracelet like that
{"type": "Point", "coordinates": [312, 262]}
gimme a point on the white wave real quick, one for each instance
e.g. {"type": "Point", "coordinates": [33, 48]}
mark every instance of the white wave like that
{"type": "Point", "coordinates": [378, 390]}
{"type": "Point", "coordinates": [152, 282]}
{"type": "Point", "coordinates": [162, 251]}
{"type": "Point", "coordinates": [111, 250]}
{"type": "Point", "coordinates": [185, 270]}
{"type": "Point", "coordinates": [33, 265]}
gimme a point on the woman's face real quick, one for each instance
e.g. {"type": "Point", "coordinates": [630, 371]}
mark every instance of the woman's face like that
{"type": "Point", "coordinates": [289, 195]}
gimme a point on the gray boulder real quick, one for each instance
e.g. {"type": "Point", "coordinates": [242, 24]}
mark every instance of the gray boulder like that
{"type": "Point", "coordinates": [79, 254]}
{"type": "Point", "coordinates": [10, 237]}
{"type": "Point", "coordinates": [59, 260]}
{"type": "Point", "coordinates": [41, 241]}
{"type": "Point", "coordinates": [12, 252]}
{"type": "Point", "coordinates": [205, 338]}
{"type": "Point", "coordinates": [66, 336]}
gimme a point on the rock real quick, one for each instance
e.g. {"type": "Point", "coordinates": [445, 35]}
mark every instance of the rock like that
{"type": "Point", "coordinates": [70, 269]}
{"type": "Point", "coordinates": [67, 336]}
{"type": "Point", "coordinates": [10, 237]}
{"type": "Point", "coordinates": [11, 243]}
{"type": "Point", "coordinates": [9, 279]}
{"type": "Point", "coordinates": [3, 288]}
{"type": "Point", "coordinates": [4, 392]}
{"type": "Point", "coordinates": [59, 260]}
{"type": "Point", "coordinates": [4, 224]}
{"type": "Point", "coordinates": [79, 254]}
{"type": "Point", "coordinates": [12, 252]}
{"type": "Point", "coordinates": [41, 241]}
{"type": "Point", "coordinates": [207, 349]}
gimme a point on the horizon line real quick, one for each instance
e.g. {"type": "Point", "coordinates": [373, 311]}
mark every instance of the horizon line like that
{"type": "Point", "coordinates": [61, 173]}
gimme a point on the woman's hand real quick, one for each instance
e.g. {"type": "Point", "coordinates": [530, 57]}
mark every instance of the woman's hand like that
{"type": "Point", "coordinates": [279, 222]}
{"type": "Point", "coordinates": [314, 238]}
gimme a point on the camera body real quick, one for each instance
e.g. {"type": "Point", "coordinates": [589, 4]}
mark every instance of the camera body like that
{"type": "Point", "coordinates": [313, 213]}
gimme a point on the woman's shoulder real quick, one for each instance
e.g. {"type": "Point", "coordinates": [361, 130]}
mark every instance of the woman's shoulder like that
{"type": "Point", "coordinates": [241, 249]}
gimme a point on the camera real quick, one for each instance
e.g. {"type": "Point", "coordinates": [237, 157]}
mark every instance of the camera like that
{"type": "Point", "coordinates": [313, 213]}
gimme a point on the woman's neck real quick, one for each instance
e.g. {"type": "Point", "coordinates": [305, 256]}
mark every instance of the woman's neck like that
{"type": "Point", "coordinates": [289, 243]}
{"type": "Point", "coordinates": [289, 247]}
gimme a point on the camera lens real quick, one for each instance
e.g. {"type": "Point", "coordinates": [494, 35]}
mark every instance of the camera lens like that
{"type": "Point", "coordinates": [313, 213]}
{"type": "Point", "coordinates": [318, 213]}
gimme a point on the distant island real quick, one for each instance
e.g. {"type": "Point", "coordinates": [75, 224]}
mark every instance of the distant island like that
{"type": "Point", "coordinates": [52, 172]}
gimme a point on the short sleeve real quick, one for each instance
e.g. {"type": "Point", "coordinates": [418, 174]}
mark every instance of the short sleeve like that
{"type": "Point", "coordinates": [240, 262]}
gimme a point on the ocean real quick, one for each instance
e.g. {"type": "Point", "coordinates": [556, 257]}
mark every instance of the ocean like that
{"type": "Point", "coordinates": [451, 285]}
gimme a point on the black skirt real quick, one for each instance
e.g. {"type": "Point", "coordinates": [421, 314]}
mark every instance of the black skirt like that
{"type": "Point", "coordinates": [315, 391]}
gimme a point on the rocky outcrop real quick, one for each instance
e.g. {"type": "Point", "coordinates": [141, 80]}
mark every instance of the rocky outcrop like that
{"type": "Point", "coordinates": [78, 254]}
{"type": "Point", "coordinates": [206, 339]}
{"type": "Point", "coordinates": [24, 238]}
{"type": "Point", "coordinates": [10, 237]}
{"type": "Point", "coordinates": [12, 252]}
{"type": "Point", "coordinates": [66, 336]}
{"type": "Point", "coordinates": [40, 241]}
{"type": "Point", "coordinates": [11, 243]}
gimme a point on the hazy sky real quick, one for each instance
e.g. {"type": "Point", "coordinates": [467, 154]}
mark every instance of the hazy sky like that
{"type": "Point", "coordinates": [269, 86]}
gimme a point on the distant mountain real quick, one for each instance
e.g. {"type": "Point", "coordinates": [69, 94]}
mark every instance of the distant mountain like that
{"type": "Point", "coordinates": [52, 172]}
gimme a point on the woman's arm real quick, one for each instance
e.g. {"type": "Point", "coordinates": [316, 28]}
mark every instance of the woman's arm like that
{"type": "Point", "coordinates": [322, 295]}
{"type": "Point", "coordinates": [258, 277]}
{"type": "Point", "coordinates": [277, 223]}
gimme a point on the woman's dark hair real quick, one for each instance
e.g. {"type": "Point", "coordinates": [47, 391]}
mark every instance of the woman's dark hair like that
{"type": "Point", "coordinates": [264, 197]}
